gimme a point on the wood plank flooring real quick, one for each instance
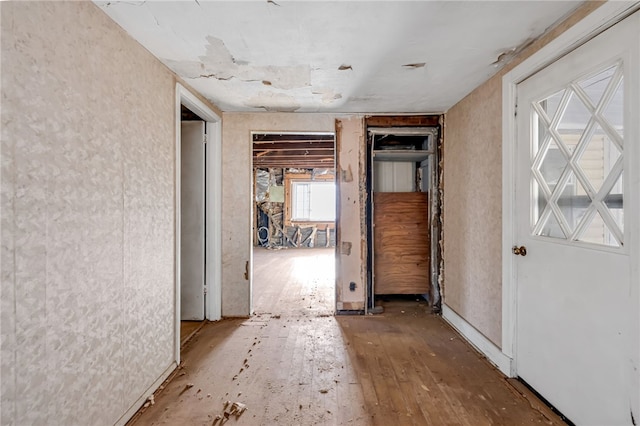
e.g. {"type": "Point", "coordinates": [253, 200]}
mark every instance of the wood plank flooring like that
{"type": "Point", "coordinates": [188, 329]}
{"type": "Point", "coordinates": [294, 281]}
{"type": "Point", "coordinates": [294, 363]}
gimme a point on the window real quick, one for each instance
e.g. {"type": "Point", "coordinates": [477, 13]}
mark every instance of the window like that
{"type": "Point", "coordinates": [578, 167]}
{"type": "Point", "coordinates": [313, 201]}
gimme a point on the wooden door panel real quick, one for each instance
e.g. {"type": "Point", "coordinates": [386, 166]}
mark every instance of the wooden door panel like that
{"type": "Point", "coordinates": [401, 243]}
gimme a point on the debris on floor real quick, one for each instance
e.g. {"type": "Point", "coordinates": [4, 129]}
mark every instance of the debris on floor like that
{"type": "Point", "coordinates": [230, 409]}
{"type": "Point", "coordinates": [186, 388]}
{"type": "Point", "coordinates": [150, 401]}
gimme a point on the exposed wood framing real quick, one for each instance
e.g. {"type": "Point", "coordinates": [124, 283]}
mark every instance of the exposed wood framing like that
{"type": "Point", "coordinates": [402, 120]}
{"type": "Point", "coordinates": [434, 121]}
{"type": "Point", "coordinates": [293, 151]}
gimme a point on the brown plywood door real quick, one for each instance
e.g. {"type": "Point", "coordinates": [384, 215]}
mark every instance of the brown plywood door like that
{"type": "Point", "coordinates": [401, 243]}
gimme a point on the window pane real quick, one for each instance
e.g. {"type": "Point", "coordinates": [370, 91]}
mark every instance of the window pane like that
{"type": "Point", "coordinates": [577, 161]}
{"type": "Point", "coordinates": [313, 201]}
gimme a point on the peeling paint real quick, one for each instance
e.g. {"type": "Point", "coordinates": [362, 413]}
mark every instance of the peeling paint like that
{"type": "Point", "coordinates": [347, 175]}
{"type": "Point", "coordinates": [272, 38]}
{"type": "Point", "coordinates": [277, 102]}
{"type": "Point", "coordinates": [504, 57]}
{"type": "Point", "coordinates": [130, 3]}
{"type": "Point", "coordinates": [364, 98]}
{"type": "Point", "coordinates": [328, 95]}
{"type": "Point", "coordinates": [415, 65]}
{"type": "Point", "coordinates": [345, 248]}
{"type": "Point", "coordinates": [214, 76]}
{"type": "Point", "coordinates": [219, 63]}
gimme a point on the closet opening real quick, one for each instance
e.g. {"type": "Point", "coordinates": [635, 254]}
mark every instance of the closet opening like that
{"type": "Point", "coordinates": [402, 215]}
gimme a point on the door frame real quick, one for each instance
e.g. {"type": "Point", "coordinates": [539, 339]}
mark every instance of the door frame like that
{"type": "Point", "coordinates": [213, 208]}
{"type": "Point", "coordinates": [252, 210]}
{"type": "Point", "coordinates": [604, 17]}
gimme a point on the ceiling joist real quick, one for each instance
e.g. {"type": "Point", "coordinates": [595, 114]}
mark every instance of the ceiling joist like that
{"type": "Point", "coordinates": [303, 151]}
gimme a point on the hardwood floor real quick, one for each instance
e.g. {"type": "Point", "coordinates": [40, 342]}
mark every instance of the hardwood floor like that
{"type": "Point", "coordinates": [188, 329]}
{"type": "Point", "coordinates": [294, 281]}
{"type": "Point", "coordinates": [294, 363]}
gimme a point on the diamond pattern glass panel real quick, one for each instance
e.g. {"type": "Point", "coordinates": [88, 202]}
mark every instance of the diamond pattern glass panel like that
{"type": "Point", "coordinates": [615, 203]}
{"type": "Point", "coordinates": [573, 122]}
{"type": "Point", "coordinates": [542, 204]}
{"type": "Point", "coordinates": [552, 166]}
{"type": "Point", "coordinates": [597, 232]}
{"type": "Point", "coordinates": [552, 228]}
{"type": "Point", "coordinates": [598, 157]}
{"type": "Point", "coordinates": [585, 146]}
{"type": "Point", "coordinates": [613, 111]}
{"type": "Point", "coordinates": [573, 202]}
{"type": "Point", "coordinates": [595, 86]}
{"type": "Point", "coordinates": [550, 104]}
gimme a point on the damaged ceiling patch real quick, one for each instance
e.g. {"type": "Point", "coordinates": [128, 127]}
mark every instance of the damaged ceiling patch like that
{"type": "Point", "coordinates": [504, 57]}
{"type": "Point", "coordinates": [328, 95]}
{"type": "Point", "coordinates": [275, 102]}
{"type": "Point", "coordinates": [219, 63]}
{"type": "Point", "coordinates": [415, 65]}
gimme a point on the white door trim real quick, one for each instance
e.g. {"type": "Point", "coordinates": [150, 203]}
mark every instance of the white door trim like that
{"type": "Point", "coordinates": [593, 24]}
{"type": "Point", "coordinates": [213, 202]}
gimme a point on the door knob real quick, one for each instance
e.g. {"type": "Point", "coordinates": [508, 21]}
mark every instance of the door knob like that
{"type": "Point", "coordinates": [521, 251]}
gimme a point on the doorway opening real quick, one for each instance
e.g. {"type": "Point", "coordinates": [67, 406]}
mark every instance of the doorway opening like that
{"type": "Point", "coordinates": [402, 215]}
{"type": "Point", "coordinates": [294, 222]}
{"type": "Point", "coordinates": [198, 216]}
{"type": "Point", "coordinates": [193, 292]}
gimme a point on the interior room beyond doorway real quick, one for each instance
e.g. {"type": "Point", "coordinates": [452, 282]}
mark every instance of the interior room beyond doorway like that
{"type": "Point", "coordinates": [294, 198]}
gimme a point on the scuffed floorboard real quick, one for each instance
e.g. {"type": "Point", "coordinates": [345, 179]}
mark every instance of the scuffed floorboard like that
{"type": "Point", "coordinates": [295, 366]}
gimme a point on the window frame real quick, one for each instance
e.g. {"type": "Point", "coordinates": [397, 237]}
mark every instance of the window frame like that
{"type": "Point", "coordinates": [289, 180]}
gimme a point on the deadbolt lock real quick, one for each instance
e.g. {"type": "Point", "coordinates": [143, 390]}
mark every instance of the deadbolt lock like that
{"type": "Point", "coordinates": [519, 251]}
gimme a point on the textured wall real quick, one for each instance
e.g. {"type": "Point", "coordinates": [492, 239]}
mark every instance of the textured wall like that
{"type": "Point", "coordinates": [472, 230]}
{"type": "Point", "coordinates": [236, 193]}
{"type": "Point", "coordinates": [87, 216]}
{"type": "Point", "coordinates": [473, 209]}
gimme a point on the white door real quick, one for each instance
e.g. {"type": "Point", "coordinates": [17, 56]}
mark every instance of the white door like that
{"type": "Point", "coordinates": [192, 220]}
{"type": "Point", "coordinates": [577, 217]}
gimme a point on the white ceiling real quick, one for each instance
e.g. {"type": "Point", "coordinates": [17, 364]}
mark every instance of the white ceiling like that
{"type": "Point", "coordinates": [346, 56]}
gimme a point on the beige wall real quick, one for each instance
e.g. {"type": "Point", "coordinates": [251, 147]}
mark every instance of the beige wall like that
{"type": "Point", "coordinates": [472, 230]}
{"type": "Point", "coordinates": [88, 152]}
{"type": "Point", "coordinates": [237, 205]}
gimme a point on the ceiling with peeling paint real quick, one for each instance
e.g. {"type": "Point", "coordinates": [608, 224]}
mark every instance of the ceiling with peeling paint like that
{"type": "Point", "coordinates": [347, 56]}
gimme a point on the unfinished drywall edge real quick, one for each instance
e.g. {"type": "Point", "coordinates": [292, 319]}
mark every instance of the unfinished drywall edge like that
{"type": "Point", "coordinates": [438, 273]}
{"type": "Point", "coordinates": [351, 261]}
{"type": "Point", "coordinates": [478, 341]}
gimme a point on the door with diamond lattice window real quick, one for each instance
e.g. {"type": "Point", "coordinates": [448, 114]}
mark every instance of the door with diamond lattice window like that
{"type": "Point", "coordinates": [577, 217]}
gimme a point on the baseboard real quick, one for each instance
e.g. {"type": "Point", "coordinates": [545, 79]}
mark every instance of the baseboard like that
{"type": "Point", "coordinates": [478, 340]}
{"type": "Point", "coordinates": [136, 406]}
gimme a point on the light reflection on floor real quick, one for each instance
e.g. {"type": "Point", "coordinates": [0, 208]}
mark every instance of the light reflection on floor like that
{"type": "Point", "coordinates": [294, 281]}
